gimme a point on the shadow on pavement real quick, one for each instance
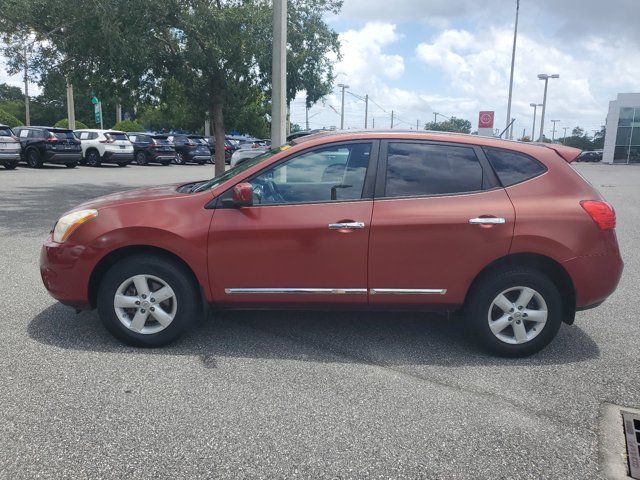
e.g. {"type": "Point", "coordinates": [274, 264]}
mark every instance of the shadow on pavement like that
{"type": "Point", "coordinates": [386, 339]}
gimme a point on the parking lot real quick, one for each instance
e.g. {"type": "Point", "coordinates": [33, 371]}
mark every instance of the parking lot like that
{"type": "Point", "coordinates": [295, 394]}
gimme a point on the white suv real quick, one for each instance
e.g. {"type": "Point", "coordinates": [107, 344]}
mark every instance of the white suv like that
{"type": "Point", "coordinates": [105, 146]}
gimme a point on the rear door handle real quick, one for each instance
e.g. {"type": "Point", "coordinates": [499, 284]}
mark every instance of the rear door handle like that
{"type": "Point", "coordinates": [346, 225]}
{"type": "Point", "coordinates": [486, 220]}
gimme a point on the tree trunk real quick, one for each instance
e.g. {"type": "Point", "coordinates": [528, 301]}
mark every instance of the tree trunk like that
{"type": "Point", "coordinates": [218, 133]}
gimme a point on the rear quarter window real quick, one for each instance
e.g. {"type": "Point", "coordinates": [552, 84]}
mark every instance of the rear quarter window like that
{"type": "Point", "coordinates": [513, 167]}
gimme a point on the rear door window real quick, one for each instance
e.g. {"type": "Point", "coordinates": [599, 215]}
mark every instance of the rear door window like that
{"type": "Point", "coordinates": [513, 167]}
{"type": "Point", "coordinates": [423, 169]}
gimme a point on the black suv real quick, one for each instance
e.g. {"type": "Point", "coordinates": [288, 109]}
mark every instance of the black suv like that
{"type": "Point", "coordinates": [193, 150]}
{"type": "Point", "coordinates": [10, 149]}
{"type": "Point", "coordinates": [49, 145]}
{"type": "Point", "coordinates": [148, 148]}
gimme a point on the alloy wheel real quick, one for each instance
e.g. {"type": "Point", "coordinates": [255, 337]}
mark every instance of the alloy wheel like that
{"type": "Point", "coordinates": [179, 158]}
{"type": "Point", "coordinates": [145, 304]}
{"type": "Point", "coordinates": [517, 315]}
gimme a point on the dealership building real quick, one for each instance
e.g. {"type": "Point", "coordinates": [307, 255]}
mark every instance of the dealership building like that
{"type": "Point", "coordinates": [622, 141]}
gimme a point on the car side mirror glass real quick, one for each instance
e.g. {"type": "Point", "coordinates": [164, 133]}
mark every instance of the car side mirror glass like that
{"type": "Point", "coordinates": [243, 195]}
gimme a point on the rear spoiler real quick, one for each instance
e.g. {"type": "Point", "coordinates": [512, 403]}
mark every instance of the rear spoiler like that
{"type": "Point", "coordinates": [568, 154]}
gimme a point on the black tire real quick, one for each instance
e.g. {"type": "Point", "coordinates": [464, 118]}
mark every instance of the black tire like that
{"type": "Point", "coordinates": [10, 165]}
{"type": "Point", "coordinates": [173, 274]}
{"type": "Point", "coordinates": [141, 158]}
{"type": "Point", "coordinates": [92, 158]}
{"type": "Point", "coordinates": [72, 165]}
{"type": "Point", "coordinates": [179, 159]}
{"type": "Point", "coordinates": [33, 158]}
{"type": "Point", "coordinates": [489, 288]}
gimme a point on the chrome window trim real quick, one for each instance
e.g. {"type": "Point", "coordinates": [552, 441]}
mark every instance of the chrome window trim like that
{"type": "Point", "coordinates": [408, 291]}
{"type": "Point", "coordinates": [297, 291]}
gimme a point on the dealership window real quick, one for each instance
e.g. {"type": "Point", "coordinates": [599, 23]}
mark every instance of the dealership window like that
{"type": "Point", "coordinates": [627, 149]}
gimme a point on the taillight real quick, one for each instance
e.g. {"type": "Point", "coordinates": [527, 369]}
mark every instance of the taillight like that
{"type": "Point", "coordinates": [601, 212]}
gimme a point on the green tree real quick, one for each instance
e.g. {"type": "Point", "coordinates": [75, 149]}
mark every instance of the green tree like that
{"type": "Point", "coordinates": [8, 119]}
{"type": "Point", "coordinates": [64, 123]}
{"type": "Point", "coordinates": [128, 126]}
{"type": "Point", "coordinates": [453, 124]}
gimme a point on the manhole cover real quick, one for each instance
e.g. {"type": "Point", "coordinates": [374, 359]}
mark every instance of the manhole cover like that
{"type": "Point", "coordinates": [631, 423]}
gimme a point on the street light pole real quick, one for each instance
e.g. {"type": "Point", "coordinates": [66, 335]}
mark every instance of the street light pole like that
{"type": "Point", "coordinates": [535, 110]}
{"type": "Point", "coordinates": [343, 87]}
{"type": "Point", "coordinates": [545, 77]}
{"type": "Point", "coordinates": [279, 74]}
{"type": "Point", "coordinates": [553, 134]}
{"type": "Point", "coordinates": [392, 119]}
{"type": "Point", "coordinates": [366, 110]}
{"type": "Point", "coordinates": [71, 113]}
{"type": "Point", "coordinates": [564, 140]}
{"type": "Point", "coordinates": [513, 62]}
{"type": "Point", "coordinates": [27, 117]}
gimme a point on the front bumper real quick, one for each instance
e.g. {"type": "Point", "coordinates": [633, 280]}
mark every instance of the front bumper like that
{"type": "Point", "coordinates": [65, 272]}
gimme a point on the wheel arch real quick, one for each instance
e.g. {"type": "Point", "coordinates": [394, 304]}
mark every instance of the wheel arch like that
{"type": "Point", "coordinates": [118, 254]}
{"type": "Point", "coordinates": [550, 267]}
{"type": "Point", "coordinates": [94, 149]}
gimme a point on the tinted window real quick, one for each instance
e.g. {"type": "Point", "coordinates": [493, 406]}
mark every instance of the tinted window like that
{"type": "Point", "coordinates": [63, 135]}
{"type": "Point", "coordinates": [5, 132]}
{"type": "Point", "coordinates": [424, 169]}
{"type": "Point", "coordinates": [513, 167]}
{"type": "Point", "coordinates": [321, 175]}
{"type": "Point", "coordinates": [116, 136]}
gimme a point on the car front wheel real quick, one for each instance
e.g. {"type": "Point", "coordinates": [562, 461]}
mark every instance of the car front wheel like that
{"type": "Point", "coordinates": [148, 301]}
{"type": "Point", "coordinates": [515, 312]}
{"type": "Point", "coordinates": [141, 158]}
{"type": "Point", "coordinates": [93, 158]}
{"type": "Point", "coordinates": [179, 159]}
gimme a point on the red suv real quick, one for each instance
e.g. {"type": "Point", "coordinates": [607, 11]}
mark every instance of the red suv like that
{"type": "Point", "coordinates": [506, 233]}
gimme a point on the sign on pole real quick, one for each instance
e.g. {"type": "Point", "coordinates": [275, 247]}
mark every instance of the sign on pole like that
{"type": "Point", "coordinates": [485, 123]}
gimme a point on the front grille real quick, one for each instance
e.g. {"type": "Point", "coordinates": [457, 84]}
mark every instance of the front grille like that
{"type": "Point", "coordinates": [631, 423]}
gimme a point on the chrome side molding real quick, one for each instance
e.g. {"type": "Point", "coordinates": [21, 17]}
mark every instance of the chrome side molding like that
{"type": "Point", "coordinates": [408, 291]}
{"type": "Point", "coordinates": [296, 291]}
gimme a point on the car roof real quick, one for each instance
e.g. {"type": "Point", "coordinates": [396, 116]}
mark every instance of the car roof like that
{"type": "Point", "coordinates": [97, 130]}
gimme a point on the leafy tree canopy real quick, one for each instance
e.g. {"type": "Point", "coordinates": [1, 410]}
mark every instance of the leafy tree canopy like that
{"type": "Point", "coordinates": [458, 125]}
{"type": "Point", "coordinates": [8, 119]}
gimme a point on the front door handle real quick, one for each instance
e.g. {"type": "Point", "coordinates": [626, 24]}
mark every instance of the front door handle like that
{"type": "Point", "coordinates": [486, 220]}
{"type": "Point", "coordinates": [346, 225]}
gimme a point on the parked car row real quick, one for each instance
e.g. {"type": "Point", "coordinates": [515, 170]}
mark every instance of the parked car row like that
{"type": "Point", "coordinates": [37, 145]}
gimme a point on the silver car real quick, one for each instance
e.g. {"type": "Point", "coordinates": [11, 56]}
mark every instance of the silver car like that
{"type": "Point", "coordinates": [10, 148]}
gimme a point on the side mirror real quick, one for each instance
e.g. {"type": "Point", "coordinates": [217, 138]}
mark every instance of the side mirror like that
{"type": "Point", "coordinates": [243, 195]}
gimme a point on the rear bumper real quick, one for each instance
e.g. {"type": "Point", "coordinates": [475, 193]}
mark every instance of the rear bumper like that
{"type": "Point", "coordinates": [117, 157]}
{"type": "Point", "coordinates": [594, 278]}
{"type": "Point", "coordinates": [65, 272]}
{"type": "Point", "coordinates": [67, 157]}
{"type": "Point", "coordinates": [8, 157]}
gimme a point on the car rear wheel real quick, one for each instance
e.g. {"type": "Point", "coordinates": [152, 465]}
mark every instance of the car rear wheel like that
{"type": "Point", "coordinates": [141, 158]}
{"type": "Point", "coordinates": [179, 159]}
{"type": "Point", "coordinates": [33, 158]}
{"type": "Point", "coordinates": [515, 312]}
{"type": "Point", "coordinates": [93, 158]}
{"type": "Point", "coordinates": [10, 165]}
{"type": "Point", "coordinates": [148, 301]}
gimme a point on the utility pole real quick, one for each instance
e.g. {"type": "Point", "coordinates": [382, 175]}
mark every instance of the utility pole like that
{"type": "Point", "coordinates": [553, 134]}
{"type": "Point", "coordinates": [513, 122]}
{"type": "Point", "coordinates": [545, 77]}
{"type": "Point", "coordinates": [373, 123]}
{"type": "Point", "coordinates": [418, 124]}
{"type": "Point", "coordinates": [366, 110]}
{"type": "Point", "coordinates": [524, 131]}
{"type": "Point", "coordinates": [71, 113]}
{"type": "Point", "coordinates": [118, 112]}
{"type": "Point", "coordinates": [392, 119]}
{"type": "Point", "coordinates": [535, 110]}
{"type": "Point", "coordinates": [564, 140]}
{"type": "Point", "coordinates": [513, 62]}
{"type": "Point", "coordinates": [279, 74]}
{"type": "Point", "coordinates": [435, 117]}
{"type": "Point", "coordinates": [343, 87]}
{"type": "Point", "coordinates": [306, 116]}
{"type": "Point", "coordinates": [27, 117]}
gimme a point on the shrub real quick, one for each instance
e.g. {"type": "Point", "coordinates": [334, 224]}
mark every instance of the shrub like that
{"type": "Point", "coordinates": [8, 119]}
{"type": "Point", "coordinates": [64, 123]}
{"type": "Point", "coordinates": [128, 126]}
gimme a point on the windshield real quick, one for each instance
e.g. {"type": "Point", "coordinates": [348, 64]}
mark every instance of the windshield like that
{"type": "Point", "coordinates": [232, 172]}
{"type": "Point", "coordinates": [5, 132]}
{"type": "Point", "coordinates": [63, 134]}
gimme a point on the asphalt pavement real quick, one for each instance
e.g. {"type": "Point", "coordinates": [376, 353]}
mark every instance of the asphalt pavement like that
{"type": "Point", "coordinates": [295, 394]}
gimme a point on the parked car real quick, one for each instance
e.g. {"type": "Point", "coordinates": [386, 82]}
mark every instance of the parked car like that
{"type": "Point", "coordinates": [189, 150]}
{"type": "Point", "coordinates": [506, 233]}
{"type": "Point", "coordinates": [10, 149]}
{"type": "Point", "coordinates": [148, 148]}
{"type": "Point", "coordinates": [42, 145]}
{"type": "Point", "coordinates": [245, 153]}
{"type": "Point", "coordinates": [105, 146]}
{"type": "Point", "coordinates": [590, 156]}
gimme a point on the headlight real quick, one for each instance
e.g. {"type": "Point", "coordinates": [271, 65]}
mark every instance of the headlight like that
{"type": "Point", "coordinates": [70, 222]}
